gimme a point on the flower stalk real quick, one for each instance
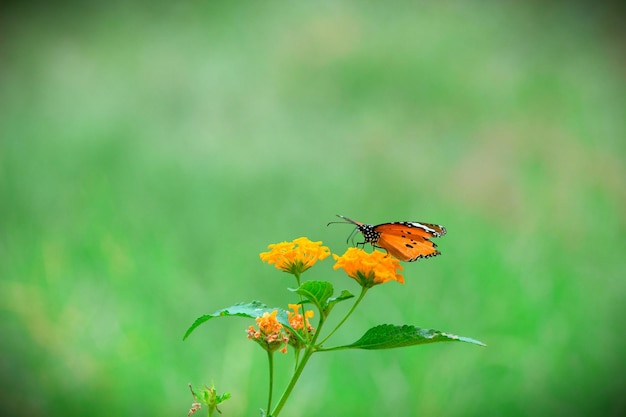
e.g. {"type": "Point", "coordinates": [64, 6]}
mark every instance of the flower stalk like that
{"type": "Point", "coordinates": [270, 361]}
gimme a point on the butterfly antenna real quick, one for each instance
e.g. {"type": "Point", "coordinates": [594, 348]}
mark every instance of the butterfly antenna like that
{"type": "Point", "coordinates": [345, 218]}
{"type": "Point", "coordinates": [348, 221]}
{"type": "Point", "coordinates": [329, 223]}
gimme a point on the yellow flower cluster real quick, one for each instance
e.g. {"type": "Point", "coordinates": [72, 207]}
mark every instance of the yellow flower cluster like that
{"type": "Point", "coordinates": [295, 257]}
{"type": "Point", "coordinates": [369, 269]}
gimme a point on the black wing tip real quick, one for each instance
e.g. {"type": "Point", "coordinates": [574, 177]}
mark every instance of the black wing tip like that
{"type": "Point", "coordinates": [430, 228]}
{"type": "Point", "coordinates": [440, 233]}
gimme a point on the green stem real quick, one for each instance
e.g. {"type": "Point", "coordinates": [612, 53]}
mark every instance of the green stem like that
{"type": "Point", "coordinates": [297, 275]}
{"type": "Point", "coordinates": [305, 358]}
{"type": "Point", "coordinates": [319, 328]}
{"type": "Point", "coordinates": [356, 303]}
{"type": "Point", "coordinates": [308, 352]}
{"type": "Point", "coordinates": [270, 359]}
{"type": "Point", "coordinates": [297, 358]}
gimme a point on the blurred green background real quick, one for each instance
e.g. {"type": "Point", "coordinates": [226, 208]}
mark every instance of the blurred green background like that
{"type": "Point", "coordinates": [150, 151]}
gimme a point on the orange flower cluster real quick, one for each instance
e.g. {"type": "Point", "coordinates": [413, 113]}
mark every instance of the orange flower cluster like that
{"type": "Point", "coordinates": [300, 323]}
{"type": "Point", "coordinates": [270, 334]}
{"type": "Point", "coordinates": [369, 269]}
{"type": "Point", "coordinates": [295, 257]}
{"type": "Point", "coordinates": [296, 320]}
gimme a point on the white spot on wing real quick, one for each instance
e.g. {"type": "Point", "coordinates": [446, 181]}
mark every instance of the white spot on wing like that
{"type": "Point", "coordinates": [423, 227]}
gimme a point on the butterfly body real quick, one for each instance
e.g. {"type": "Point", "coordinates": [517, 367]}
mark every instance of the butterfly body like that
{"type": "Point", "coordinates": [406, 241]}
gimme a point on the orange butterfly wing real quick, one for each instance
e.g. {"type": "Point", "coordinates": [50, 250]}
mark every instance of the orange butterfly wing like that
{"type": "Point", "coordinates": [409, 241]}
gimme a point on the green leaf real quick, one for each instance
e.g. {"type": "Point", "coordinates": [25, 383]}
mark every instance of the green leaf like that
{"type": "Point", "coordinates": [345, 294]}
{"type": "Point", "coordinates": [388, 336]}
{"type": "Point", "coordinates": [334, 300]}
{"type": "Point", "coordinates": [316, 292]}
{"type": "Point", "coordinates": [252, 309]}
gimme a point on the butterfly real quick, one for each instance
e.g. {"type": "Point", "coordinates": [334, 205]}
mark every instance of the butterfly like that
{"type": "Point", "coordinates": [406, 241]}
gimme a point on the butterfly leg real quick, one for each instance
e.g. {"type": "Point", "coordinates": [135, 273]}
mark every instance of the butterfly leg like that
{"type": "Point", "coordinates": [380, 247]}
{"type": "Point", "coordinates": [361, 245]}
